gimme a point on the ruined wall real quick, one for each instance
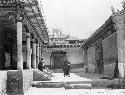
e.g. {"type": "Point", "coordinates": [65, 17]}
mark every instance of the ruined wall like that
{"type": "Point", "coordinates": [110, 54]}
{"type": "Point", "coordinates": [91, 59]}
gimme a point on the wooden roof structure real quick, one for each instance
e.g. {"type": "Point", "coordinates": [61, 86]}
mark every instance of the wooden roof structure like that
{"type": "Point", "coordinates": [33, 16]}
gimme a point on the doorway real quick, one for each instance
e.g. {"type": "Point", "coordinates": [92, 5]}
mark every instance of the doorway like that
{"type": "Point", "coordinates": [57, 59]}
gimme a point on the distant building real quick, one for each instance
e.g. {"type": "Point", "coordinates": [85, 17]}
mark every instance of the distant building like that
{"type": "Point", "coordinates": [58, 38]}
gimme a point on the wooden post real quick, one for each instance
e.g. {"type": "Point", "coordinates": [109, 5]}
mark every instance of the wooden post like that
{"type": "Point", "coordinates": [19, 46]}
{"type": "Point", "coordinates": [85, 60]}
{"type": "Point", "coordinates": [34, 53]}
{"type": "Point", "coordinates": [28, 53]}
{"type": "Point", "coordinates": [37, 54]}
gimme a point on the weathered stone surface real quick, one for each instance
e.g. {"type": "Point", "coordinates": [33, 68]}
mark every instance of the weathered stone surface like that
{"type": "Point", "coordinates": [14, 82]}
{"type": "Point", "coordinates": [18, 81]}
{"type": "Point", "coordinates": [3, 80]}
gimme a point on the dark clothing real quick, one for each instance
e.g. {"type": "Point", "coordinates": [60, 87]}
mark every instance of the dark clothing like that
{"type": "Point", "coordinates": [116, 71]}
{"type": "Point", "coordinates": [40, 66]}
{"type": "Point", "coordinates": [66, 68]}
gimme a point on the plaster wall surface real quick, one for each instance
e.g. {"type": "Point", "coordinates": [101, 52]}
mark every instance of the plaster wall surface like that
{"type": "Point", "coordinates": [110, 54]}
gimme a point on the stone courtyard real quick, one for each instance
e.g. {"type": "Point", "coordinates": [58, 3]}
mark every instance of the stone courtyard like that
{"type": "Point", "coordinates": [88, 84]}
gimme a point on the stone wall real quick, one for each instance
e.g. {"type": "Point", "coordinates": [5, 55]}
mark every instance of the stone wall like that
{"type": "Point", "coordinates": [3, 81]}
{"type": "Point", "coordinates": [110, 54]}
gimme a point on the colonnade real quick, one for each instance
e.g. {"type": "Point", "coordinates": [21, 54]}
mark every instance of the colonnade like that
{"type": "Point", "coordinates": [33, 55]}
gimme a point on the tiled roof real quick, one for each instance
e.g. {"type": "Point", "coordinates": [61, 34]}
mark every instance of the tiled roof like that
{"type": "Point", "coordinates": [34, 18]}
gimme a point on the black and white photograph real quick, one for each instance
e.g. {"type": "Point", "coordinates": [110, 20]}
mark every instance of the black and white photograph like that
{"type": "Point", "coordinates": [62, 47]}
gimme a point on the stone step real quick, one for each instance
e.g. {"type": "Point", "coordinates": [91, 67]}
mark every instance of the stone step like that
{"type": "Point", "coordinates": [66, 85]}
{"type": "Point", "coordinates": [78, 86]}
{"type": "Point", "coordinates": [40, 76]}
{"type": "Point", "coordinates": [49, 84]}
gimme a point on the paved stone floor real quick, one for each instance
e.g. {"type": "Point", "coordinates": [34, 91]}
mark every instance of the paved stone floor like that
{"type": "Point", "coordinates": [62, 91]}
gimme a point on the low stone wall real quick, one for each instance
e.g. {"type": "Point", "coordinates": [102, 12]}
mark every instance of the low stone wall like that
{"type": "Point", "coordinates": [18, 81]}
{"type": "Point", "coordinates": [3, 80]}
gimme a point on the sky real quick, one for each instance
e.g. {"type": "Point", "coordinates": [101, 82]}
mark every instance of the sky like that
{"type": "Point", "coordinates": [79, 18]}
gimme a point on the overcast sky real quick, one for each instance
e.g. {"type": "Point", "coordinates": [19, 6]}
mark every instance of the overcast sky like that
{"type": "Point", "coordinates": [80, 18]}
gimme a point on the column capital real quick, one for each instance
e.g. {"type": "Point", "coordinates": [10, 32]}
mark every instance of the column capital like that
{"type": "Point", "coordinates": [28, 35]}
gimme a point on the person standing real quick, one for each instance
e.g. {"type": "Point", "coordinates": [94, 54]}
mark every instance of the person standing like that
{"type": "Point", "coordinates": [41, 65]}
{"type": "Point", "coordinates": [66, 67]}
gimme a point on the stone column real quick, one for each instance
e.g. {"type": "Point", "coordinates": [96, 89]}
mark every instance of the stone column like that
{"type": "Point", "coordinates": [34, 53]}
{"type": "Point", "coordinates": [121, 45]}
{"type": "Point", "coordinates": [85, 60]}
{"type": "Point", "coordinates": [37, 54]}
{"type": "Point", "coordinates": [28, 53]}
{"type": "Point", "coordinates": [19, 46]}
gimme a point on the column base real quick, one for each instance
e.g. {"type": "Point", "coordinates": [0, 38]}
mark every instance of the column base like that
{"type": "Point", "coordinates": [18, 81]}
